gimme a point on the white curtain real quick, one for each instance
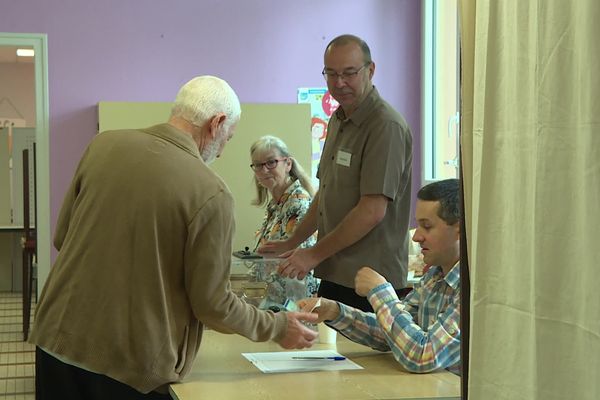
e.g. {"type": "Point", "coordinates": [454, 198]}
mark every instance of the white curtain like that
{"type": "Point", "coordinates": [531, 156]}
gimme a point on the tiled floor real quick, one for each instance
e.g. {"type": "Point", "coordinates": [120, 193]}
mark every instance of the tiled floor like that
{"type": "Point", "coordinates": [17, 358]}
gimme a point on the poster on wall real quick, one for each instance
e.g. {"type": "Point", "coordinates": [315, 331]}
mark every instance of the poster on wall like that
{"type": "Point", "coordinates": [322, 105]}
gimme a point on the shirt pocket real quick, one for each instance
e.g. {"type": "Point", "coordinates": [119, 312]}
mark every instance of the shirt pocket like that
{"type": "Point", "coordinates": [346, 175]}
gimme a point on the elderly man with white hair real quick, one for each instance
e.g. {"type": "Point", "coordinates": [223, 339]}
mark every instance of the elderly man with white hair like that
{"type": "Point", "coordinates": [144, 238]}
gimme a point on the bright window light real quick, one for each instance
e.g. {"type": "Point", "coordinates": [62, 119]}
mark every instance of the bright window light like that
{"type": "Point", "coordinates": [440, 90]}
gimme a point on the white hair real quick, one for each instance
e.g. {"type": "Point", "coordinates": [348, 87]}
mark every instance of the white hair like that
{"type": "Point", "coordinates": [204, 97]}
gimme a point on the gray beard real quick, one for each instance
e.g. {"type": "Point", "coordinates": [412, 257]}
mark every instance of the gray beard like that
{"type": "Point", "coordinates": [209, 153]}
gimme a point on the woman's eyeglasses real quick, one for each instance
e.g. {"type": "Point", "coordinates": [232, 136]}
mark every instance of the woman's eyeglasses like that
{"type": "Point", "coordinates": [270, 164]}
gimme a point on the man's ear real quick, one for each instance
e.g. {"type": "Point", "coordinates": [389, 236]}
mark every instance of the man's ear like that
{"type": "Point", "coordinates": [371, 70]}
{"type": "Point", "coordinates": [215, 124]}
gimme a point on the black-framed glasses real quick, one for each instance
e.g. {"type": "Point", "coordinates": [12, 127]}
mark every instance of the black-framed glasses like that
{"type": "Point", "coordinates": [270, 164]}
{"type": "Point", "coordinates": [347, 75]}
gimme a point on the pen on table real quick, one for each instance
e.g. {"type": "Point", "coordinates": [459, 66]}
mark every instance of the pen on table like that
{"type": "Point", "coordinates": [335, 358]}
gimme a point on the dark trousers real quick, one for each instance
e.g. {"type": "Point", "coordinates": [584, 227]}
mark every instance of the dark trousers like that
{"type": "Point", "coordinates": [56, 380]}
{"type": "Point", "coordinates": [349, 297]}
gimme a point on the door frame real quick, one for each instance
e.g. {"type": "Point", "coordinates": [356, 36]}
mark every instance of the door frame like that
{"type": "Point", "coordinates": [39, 42]}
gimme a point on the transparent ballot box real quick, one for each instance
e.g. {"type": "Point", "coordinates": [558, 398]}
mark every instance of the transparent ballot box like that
{"type": "Point", "coordinates": [265, 288]}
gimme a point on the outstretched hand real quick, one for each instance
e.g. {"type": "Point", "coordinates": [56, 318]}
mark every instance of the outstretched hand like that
{"type": "Point", "coordinates": [326, 309]}
{"type": "Point", "coordinates": [297, 263]}
{"type": "Point", "coordinates": [273, 248]}
{"type": "Point", "coordinates": [298, 335]}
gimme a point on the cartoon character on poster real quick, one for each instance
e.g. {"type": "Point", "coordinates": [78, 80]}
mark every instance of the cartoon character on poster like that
{"type": "Point", "coordinates": [329, 104]}
{"type": "Point", "coordinates": [322, 106]}
{"type": "Point", "coordinates": [318, 129]}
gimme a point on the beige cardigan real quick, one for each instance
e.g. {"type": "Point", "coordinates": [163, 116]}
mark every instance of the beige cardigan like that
{"type": "Point", "coordinates": [144, 236]}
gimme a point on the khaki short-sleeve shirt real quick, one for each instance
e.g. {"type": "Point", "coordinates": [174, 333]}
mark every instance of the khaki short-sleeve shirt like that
{"type": "Point", "coordinates": [369, 153]}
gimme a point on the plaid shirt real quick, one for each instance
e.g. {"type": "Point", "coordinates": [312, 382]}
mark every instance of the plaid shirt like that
{"type": "Point", "coordinates": [423, 331]}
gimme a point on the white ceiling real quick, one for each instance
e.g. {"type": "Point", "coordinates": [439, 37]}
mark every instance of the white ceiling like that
{"type": "Point", "coordinates": [8, 54]}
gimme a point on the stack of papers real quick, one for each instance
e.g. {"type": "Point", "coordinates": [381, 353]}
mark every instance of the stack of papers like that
{"type": "Point", "coordinates": [284, 361]}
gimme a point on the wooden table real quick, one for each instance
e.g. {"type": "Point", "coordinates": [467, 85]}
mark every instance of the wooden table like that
{"type": "Point", "coordinates": [221, 372]}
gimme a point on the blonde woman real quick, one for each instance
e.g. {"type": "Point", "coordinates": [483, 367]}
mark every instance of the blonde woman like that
{"type": "Point", "coordinates": [284, 189]}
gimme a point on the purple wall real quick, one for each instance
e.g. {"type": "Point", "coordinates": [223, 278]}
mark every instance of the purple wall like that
{"type": "Point", "coordinates": [127, 50]}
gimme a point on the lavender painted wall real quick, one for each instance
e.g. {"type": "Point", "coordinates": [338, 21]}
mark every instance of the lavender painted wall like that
{"type": "Point", "coordinates": [134, 50]}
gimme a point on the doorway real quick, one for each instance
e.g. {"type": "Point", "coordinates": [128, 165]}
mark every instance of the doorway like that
{"type": "Point", "coordinates": [38, 42]}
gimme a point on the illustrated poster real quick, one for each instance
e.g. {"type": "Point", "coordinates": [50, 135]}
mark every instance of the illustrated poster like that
{"type": "Point", "coordinates": [322, 105]}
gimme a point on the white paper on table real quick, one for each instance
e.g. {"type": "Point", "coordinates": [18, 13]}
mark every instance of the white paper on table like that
{"type": "Point", "coordinates": [282, 361]}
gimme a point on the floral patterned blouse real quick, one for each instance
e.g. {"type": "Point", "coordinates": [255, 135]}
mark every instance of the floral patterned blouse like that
{"type": "Point", "coordinates": [281, 218]}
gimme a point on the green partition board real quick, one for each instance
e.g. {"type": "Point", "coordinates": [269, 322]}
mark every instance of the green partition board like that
{"type": "Point", "coordinates": [290, 122]}
{"type": "Point", "coordinates": [125, 115]}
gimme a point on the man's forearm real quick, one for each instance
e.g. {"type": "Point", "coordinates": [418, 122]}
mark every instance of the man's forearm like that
{"type": "Point", "coordinates": [356, 224]}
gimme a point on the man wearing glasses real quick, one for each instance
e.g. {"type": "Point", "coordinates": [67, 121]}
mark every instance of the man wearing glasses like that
{"type": "Point", "coordinates": [362, 208]}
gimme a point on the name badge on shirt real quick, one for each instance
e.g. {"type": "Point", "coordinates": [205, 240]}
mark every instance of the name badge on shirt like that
{"type": "Point", "coordinates": [343, 158]}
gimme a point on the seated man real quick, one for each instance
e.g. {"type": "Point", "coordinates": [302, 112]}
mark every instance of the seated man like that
{"type": "Point", "coordinates": [422, 330]}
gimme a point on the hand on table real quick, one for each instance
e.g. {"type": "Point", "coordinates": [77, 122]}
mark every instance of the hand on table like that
{"type": "Point", "coordinates": [297, 335]}
{"type": "Point", "coordinates": [367, 279]}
